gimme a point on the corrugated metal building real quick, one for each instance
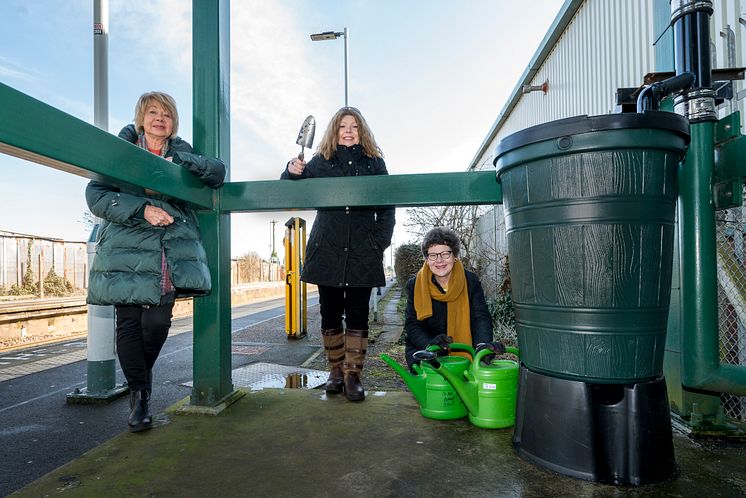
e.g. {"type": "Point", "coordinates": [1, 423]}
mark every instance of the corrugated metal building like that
{"type": "Point", "coordinates": [593, 48]}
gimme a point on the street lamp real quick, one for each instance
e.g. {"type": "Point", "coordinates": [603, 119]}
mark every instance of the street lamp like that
{"type": "Point", "coordinates": [333, 35]}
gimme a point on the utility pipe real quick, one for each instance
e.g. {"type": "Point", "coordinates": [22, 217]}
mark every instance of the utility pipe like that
{"type": "Point", "coordinates": [700, 362]}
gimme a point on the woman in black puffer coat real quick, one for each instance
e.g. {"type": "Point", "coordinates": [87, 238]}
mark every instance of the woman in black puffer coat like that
{"type": "Point", "coordinates": [344, 253]}
{"type": "Point", "coordinates": [149, 250]}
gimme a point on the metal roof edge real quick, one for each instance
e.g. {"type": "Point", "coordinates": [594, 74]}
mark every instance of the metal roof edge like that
{"type": "Point", "coordinates": [564, 16]}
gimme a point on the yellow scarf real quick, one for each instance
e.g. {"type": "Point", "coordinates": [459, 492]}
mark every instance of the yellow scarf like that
{"type": "Point", "coordinates": [458, 325]}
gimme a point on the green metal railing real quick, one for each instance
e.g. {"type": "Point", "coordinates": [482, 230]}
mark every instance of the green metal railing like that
{"type": "Point", "coordinates": [33, 130]}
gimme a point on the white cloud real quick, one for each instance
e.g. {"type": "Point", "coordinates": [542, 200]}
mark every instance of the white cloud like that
{"type": "Point", "coordinates": [10, 72]}
{"type": "Point", "coordinates": [273, 87]}
{"type": "Point", "coordinates": [159, 32]}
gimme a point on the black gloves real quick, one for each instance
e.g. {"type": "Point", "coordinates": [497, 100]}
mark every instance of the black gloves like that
{"type": "Point", "coordinates": [442, 341]}
{"type": "Point", "coordinates": [495, 347]}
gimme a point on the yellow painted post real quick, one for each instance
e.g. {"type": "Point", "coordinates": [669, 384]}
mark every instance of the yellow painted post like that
{"type": "Point", "coordinates": [295, 290]}
{"type": "Point", "coordinates": [301, 231]}
{"type": "Point", "coordinates": [287, 242]}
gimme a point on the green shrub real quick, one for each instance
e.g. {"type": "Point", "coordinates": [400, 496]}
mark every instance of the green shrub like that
{"type": "Point", "coordinates": [407, 262]}
{"type": "Point", "coordinates": [55, 285]}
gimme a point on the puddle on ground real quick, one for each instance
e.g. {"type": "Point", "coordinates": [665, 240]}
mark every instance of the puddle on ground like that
{"type": "Point", "coordinates": [257, 376]}
{"type": "Point", "coordinates": [293, 380]}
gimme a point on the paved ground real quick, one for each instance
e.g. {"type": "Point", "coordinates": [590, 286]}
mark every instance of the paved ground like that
{"type": "Point", "coordinates": [300, 442]}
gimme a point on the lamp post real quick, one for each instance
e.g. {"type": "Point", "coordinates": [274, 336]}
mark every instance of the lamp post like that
{"type": "Point", "coordinates": [333, 35]}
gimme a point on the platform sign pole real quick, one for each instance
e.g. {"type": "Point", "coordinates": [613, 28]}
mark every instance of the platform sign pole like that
{"type": "Point", "coordinates": [101, 379]}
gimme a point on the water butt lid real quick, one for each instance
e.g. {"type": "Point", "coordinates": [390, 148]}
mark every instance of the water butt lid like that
{"type": "Point", "coordinates": [660, 120]}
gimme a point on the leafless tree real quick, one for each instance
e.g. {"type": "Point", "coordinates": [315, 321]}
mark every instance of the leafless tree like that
{"type": "Point", "coordinates": [250, 268]}
{"type": "Point", "coordinates": [460, 219]}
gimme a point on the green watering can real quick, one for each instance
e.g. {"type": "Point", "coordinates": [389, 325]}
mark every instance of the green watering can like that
{"type": "Point", "coordinates": [435, 395]}
{"type": "Point", "coordinates": [488, 391]}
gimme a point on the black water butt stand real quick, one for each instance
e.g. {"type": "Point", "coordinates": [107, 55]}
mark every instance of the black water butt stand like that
{"type": "Point", "coordinates": [589, 208]}
{"type": "Point", "coordinates": [608, 433]}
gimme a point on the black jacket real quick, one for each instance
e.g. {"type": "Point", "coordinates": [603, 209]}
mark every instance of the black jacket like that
{"type": "Point", "coordinates": [345, 248]}
{"type": "Point", "coordinates": [420, 333]}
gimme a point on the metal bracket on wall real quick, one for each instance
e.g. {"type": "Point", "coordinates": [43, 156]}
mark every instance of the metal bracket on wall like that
{"type": "Point", "coordinates": [730, 169]}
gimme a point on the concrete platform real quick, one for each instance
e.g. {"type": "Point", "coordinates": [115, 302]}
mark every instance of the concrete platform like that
{"type": "Point", "coordinates": [298, 442]}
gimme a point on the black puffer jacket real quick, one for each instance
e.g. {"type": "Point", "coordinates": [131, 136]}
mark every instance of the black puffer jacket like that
{"type": "Point", "coordinates": [345, 248]}
{"type": "Point", "coordinates": [421, 332]}
{"type": "Point", "coordinates": [127, 265]}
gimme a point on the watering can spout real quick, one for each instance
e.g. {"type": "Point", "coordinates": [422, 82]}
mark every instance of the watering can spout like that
{"type": "Point", "coordinates": [415, 383]}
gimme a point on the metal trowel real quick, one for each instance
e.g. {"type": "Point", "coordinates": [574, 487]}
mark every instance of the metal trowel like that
{"type": "Point", "coordinates": [305, 135]}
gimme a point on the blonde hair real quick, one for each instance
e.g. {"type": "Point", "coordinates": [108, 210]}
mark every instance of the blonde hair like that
{"type": "Point", "coordinates": [165, 100]}
{"type": "Point", "coordinates": [328, 145]}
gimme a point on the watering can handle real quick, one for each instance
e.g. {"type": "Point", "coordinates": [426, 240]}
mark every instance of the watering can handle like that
{"type": "Point", "coordinates": [428, 356]}
{"type": "Point", "coordinates": [456, 346]}
{"type": "Point", "coordinates": [512, 350]}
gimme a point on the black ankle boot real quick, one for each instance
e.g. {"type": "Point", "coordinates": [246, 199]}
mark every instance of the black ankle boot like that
{"type": "Point", "coordinates": [140, 418]}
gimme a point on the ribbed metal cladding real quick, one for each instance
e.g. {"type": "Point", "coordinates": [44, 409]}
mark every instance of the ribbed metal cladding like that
{"type": "Point", "coordinates": [608, 45]}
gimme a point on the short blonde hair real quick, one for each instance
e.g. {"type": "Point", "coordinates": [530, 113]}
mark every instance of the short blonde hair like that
{"type": "Point", "coordinates": [165, 100]}
{"type": "Point", "coordinates": [328, 145]}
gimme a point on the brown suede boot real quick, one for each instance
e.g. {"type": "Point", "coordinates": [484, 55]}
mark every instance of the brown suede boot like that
{"type": "Point", "coordinates": [334, 347]}
{"type": "Point", "coordinates": [356, 344]}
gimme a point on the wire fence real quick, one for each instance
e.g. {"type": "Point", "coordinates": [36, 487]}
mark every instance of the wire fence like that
{"type": "Point", "coordinates": [731, 269]}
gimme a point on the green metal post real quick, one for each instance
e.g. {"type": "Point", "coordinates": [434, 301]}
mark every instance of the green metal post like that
{"type": "Point", "coordinates": [701, 367]}
{"type": "Point", "coordinates": [698, 260]}
{"type": "Point", "coordinates": [213, 388]}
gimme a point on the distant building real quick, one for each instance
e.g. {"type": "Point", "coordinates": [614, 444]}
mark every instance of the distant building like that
{"type": "Point", "coordinates": [68, 258]}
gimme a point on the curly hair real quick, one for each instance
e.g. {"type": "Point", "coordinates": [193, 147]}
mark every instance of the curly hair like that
{"type": "Point", "coordinates": [328, 144]}
{"type": "Point", "coordinates": [165, 100]}
{"type": "Point", "coordinates": [441, 236]}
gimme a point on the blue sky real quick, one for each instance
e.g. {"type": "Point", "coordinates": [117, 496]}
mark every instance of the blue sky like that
{"type": "Point", "coordinates": [430, 76]}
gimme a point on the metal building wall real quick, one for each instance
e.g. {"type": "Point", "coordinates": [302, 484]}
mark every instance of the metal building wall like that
{"type": "Point", "coordinates": [607, 45]}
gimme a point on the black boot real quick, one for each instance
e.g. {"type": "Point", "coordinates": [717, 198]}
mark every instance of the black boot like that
{"type": "Point", "coordinates": [140, 418]}
{"type": "Point", "coordinates": [149, 389]}
{"type": "Point", "coordinates": [149, 377]}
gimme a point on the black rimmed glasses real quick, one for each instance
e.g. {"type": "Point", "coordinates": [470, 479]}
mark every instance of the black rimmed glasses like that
{"type": "Point", "coordinates": [435, 256]}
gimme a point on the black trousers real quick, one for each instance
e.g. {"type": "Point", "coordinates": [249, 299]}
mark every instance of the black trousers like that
{"type": "Point", "coordinates": [141, 333]}
{"type": "Point", "coordinates": [351, 302]}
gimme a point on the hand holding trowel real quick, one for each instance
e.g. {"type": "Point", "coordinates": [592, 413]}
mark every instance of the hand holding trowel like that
{"type": "Point", "coordinates": [305, 140]}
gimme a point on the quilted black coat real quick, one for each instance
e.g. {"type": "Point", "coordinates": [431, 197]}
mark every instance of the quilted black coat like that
{"type": "Point", "coordinates": [345, 247]}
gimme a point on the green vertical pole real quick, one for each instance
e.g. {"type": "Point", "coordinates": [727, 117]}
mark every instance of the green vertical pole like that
{"type": "Point", "coordinates": [698, 257]}
{"type": "Point", "coordinates": [701, 366]}
{"type": "Point", "coordinates": [213, 387]}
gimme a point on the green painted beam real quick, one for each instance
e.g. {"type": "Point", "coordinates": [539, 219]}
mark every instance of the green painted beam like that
{"type": "Point", "coordinates": [35, 131]}
{"type": "Point", "coordinates": [431, 189]}
{"type": "Point", "coordinates": [211, 98]}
